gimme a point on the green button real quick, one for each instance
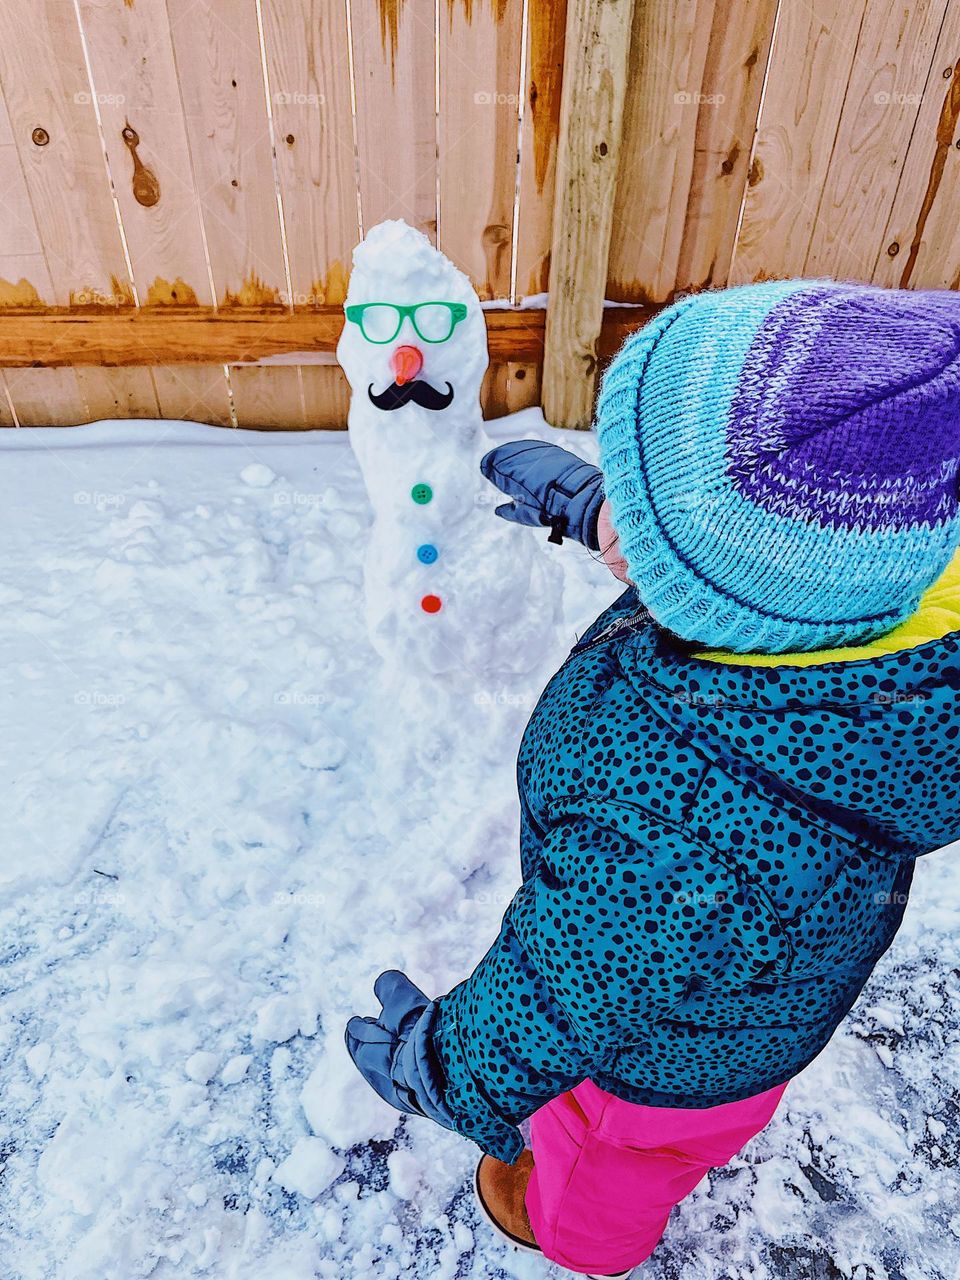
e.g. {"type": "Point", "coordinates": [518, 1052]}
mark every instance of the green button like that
{"type": "Point", "coordinates": [421, 493]}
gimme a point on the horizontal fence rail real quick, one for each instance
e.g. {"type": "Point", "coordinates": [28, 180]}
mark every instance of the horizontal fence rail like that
{"type": "Point", "coordinates": [61, 339]}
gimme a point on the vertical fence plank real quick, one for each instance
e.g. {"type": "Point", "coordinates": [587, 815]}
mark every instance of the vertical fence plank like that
{"type": "Point", "coordinates": [135, 77]}
{"type": "Point", "coordinates": [810, 64]}
{"type": "Point", "coordinates": [118, 393]}
{"type": "Point", "coordinates": [394, 52]}
{"type": "Point", "coordinates": [268, 399]}
{"type": "Point", "coordinates": [326, 396]}
{"type": "Point", "coordinates": [509, 387]}
{"type": "Point", "coordinates": [217, 48]}
{"type": "Point", "coordinates": [696, 77]}
{"type": "Point", "coordinates": [546, 23]}
{"type": "Point", "coordinates": [920, 245]}
{"type": "Point", "coordinates": [6, 417]}
{"type": "Point", "coordinates": [219, 66]}
{"type": "Point", "coordinates": [65, 233]}
{"type": "Point", "coordinates": [43, 396]}
{"type": "Point", "coordinates": [591, 118]}
{"type": "Point", "coordinates": [54, 129]}
{"type": "Point", "coordinates": [308, 73]}
{"type": "Point", "coordinates": [194, 392]}
{"type": "Point", "coordinates": [480, 47]}
{"type": "Point", "coordinates": [886, 85]}
{"type": "Point", "coordinates": [24, 278]}
{"type": "Point", "coordinates": [736, 63]}
{"type": "Point", "coordinates": [668, 53]}
{"type": "Point", "coordinates": [46, 397]}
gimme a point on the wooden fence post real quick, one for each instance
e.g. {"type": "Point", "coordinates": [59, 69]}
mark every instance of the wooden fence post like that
{"type": "Point", "coordinates": [596, 52]}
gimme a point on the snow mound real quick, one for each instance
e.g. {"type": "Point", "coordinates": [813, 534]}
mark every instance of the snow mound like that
{"type": "Point", "coordinates": [218, 832]}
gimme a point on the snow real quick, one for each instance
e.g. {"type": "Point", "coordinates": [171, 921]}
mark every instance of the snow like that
{"type": "Point", "coordinates": [218, 831]}
{"type": "Point", "coordinates": [310, 1168]}
{"type": "Point", "coordinates": [236, 1068]}
{"type": "Point", "coordinates": [201, 1067]}
{"type": "Point", "coordinates": [404, 1170]}
{"type": "Point", "coordinates": [257, 475]}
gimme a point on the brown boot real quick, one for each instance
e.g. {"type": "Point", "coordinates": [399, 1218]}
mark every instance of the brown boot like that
{"type": "Point", "coordinates": [500, 1192]}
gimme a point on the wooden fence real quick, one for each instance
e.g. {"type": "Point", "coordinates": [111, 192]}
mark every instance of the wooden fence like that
{"type": "Point", "coordinates": [182, 181]}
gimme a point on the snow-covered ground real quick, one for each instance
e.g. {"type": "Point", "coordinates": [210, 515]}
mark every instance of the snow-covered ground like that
{"type": "Point", "coordinates": [217, 832]}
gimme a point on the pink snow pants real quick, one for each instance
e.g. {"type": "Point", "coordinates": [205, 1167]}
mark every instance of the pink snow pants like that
{"type": "Point", "coordinates": [607, 1173]}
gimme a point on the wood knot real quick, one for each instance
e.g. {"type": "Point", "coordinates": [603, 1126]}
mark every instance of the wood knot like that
{"type": "Point", "coordinates": [495, 235]}
{"type": "Point", "coordinates": [729, 164]}
{"type": "Point", "coordinates": [146, 185]}
{"type": "Point", "coordinates": [893, 248]}
{"type": "Point", "coordinates": [40, 137]}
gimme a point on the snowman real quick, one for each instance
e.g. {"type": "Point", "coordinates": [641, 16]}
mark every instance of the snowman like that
{"type": "Point", "coordinates": [449, 592]}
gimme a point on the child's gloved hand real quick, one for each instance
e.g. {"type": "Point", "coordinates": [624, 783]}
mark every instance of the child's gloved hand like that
{"type": "Point", "coordinates": [394, 1052]}
{"type": "Point", "coordinates": [548, 486]}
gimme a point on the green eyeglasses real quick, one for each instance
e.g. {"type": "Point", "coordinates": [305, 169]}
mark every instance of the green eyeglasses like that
{"type": "Point", "coordinates": [380, 321]}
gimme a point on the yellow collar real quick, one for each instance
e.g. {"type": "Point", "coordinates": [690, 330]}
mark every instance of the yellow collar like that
{"type": "Point", "coordinates": [938, 615]}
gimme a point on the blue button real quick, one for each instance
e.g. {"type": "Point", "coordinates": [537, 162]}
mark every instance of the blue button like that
{"type": "Point", "coordinates": [427, 553]}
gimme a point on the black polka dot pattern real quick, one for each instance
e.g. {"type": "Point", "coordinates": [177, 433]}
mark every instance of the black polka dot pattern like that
{"type": "Point", "coordinates": [714, 858]}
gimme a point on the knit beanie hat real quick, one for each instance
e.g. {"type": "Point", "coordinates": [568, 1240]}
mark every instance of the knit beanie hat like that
{"type": "Point", "coordinates": [781, 461]}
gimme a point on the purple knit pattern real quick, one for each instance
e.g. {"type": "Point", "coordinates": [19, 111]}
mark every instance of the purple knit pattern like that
{"type": "Point", "coordinates": [847, 410]}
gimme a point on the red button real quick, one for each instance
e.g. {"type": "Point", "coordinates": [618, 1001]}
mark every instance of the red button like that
{"type": "Point", "coordinates": [431, 604]}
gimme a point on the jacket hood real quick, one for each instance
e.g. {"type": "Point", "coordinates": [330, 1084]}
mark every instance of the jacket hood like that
{"type": "Point", "coordinates": [868, 745]}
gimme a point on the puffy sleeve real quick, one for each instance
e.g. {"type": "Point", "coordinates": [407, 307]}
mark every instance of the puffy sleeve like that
{"type": "Point", "coordinates": [602, 940]}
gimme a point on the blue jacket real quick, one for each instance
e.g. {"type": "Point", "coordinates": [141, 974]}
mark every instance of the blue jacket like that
{"type": "Point", "coordinates": [714, 859]}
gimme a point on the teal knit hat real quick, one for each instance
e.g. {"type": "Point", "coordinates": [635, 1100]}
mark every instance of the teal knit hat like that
{"type": "Point", "coordinates": [781, 461]}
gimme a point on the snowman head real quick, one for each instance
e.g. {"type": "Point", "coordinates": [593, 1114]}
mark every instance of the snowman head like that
{"type": "Point", "coordinates": [414, 345]}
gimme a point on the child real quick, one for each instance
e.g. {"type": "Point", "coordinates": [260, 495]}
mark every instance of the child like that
{"type": "Point", "coordinates": [724, 788]}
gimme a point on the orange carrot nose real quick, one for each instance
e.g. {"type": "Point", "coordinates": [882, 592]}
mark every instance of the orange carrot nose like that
{"type": "Point", "coordinates": [406, 363]}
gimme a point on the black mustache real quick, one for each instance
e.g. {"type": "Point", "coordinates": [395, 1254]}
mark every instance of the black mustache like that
{"type": "Point", "coordinates": [421, 393]}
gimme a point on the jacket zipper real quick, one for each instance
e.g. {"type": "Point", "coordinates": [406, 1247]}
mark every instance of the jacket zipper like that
{"type": "Point", "coordinates": [619, 624]}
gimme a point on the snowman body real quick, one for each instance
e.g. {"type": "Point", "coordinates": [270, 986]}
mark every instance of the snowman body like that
{"type": "Point", "coordinates": [448, 587]}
